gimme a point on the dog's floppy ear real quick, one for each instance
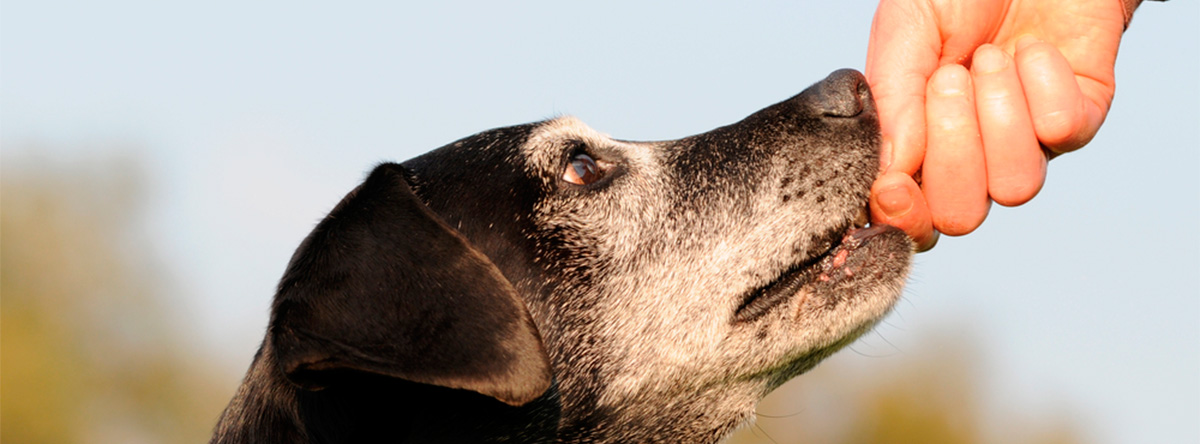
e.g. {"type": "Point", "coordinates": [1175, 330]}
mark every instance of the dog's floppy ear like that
{"type": "Point", "coordinates": [384, 286]}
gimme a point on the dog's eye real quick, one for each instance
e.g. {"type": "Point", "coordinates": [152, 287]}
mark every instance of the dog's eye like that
{"type": "Point", "coordinates": [582, 170]}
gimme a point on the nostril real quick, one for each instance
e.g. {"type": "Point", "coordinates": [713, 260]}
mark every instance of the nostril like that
{"type": "Point", "coordinates": [843, 94]}
{"type": "Point", "coordinates": [848, 106]}
{"type": "Point", "coordinates": [863, 91]}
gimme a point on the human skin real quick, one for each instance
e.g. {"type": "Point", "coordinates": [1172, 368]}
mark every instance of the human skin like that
{"type": "Point", "coordinates": [975, 97]}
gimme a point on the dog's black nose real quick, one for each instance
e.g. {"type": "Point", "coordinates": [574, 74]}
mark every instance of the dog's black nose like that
{"type": "Point", "coordinates": [843, 94]}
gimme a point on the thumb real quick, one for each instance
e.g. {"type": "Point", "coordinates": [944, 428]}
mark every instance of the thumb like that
{"type": "Point", "coordinates": [896, 200]}
{"type": "Point", "coordinates": [902, 53]}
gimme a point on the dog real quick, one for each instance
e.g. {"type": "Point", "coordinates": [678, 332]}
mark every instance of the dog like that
{"type": "Point", "coordinates": [547, 283]}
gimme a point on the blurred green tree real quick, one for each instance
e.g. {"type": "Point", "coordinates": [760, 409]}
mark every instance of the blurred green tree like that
{"type": "Point", "coordinates": [928, 395]}
{"type": "Point", "coordinates": [92, 351]}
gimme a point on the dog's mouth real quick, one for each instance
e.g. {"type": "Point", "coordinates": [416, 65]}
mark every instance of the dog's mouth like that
{"type": "Point", "coordinates": [824, 267]}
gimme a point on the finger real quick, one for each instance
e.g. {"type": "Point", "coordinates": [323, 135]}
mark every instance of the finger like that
{"type": "Point", "coordinates": [896, 200]}
{"type": "Point", "coordinates": [1063, 118]}
{"type": "Point", "coordinates": [902, 52]}
{"type": "Point", "coordinates": [1016, 165]}
{"type": "Point", "coordinates": [954, 172]}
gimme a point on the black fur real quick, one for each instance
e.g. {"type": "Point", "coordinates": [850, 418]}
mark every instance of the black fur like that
{"type": "Point", "coordinates": [382, 311]}
{"type": "Point", "coordinates": [431, 306]}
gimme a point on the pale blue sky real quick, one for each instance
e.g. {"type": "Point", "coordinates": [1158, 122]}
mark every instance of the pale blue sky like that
{"type": "Point", "coordinates": [254, 118]}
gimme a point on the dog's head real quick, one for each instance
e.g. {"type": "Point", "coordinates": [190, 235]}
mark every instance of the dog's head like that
{"type": "Point", "coordinates": [665, 287]}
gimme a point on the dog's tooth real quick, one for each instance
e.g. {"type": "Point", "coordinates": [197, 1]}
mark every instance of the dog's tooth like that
{"type": "Point", "coordinates": [862, 218]}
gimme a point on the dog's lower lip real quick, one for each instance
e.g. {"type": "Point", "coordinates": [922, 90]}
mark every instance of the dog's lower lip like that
{"type": "Point", "coordinates": [761, 300]}
{"type": "Point", "coordinates": [788, 283]}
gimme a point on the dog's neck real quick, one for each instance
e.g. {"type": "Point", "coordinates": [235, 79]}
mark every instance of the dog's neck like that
{"type": "Point", "coordinates": [374, 408]}
{"type": "Point", "coordinates": [705, 416]}
{"type": "Point", "coordinates": [368, 408]}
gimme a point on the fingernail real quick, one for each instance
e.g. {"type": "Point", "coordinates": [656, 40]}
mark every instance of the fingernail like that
{"type": "Point", "coordinates": [894, 201]}
{"type": "Point", "coordinates": [989, 59]}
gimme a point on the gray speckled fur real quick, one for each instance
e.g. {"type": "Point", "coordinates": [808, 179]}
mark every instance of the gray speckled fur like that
{"type": "Point", "coordinates": [639, 284]}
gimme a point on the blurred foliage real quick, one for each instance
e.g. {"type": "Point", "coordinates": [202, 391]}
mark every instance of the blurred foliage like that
{"type": "Point", "coordinates": [930, 395]}
{"type": "Point", "coordinates": [92, 349]}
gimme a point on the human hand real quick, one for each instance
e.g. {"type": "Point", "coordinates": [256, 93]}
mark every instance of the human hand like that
{"type": "Point", "coordinates": [1039, 83]}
